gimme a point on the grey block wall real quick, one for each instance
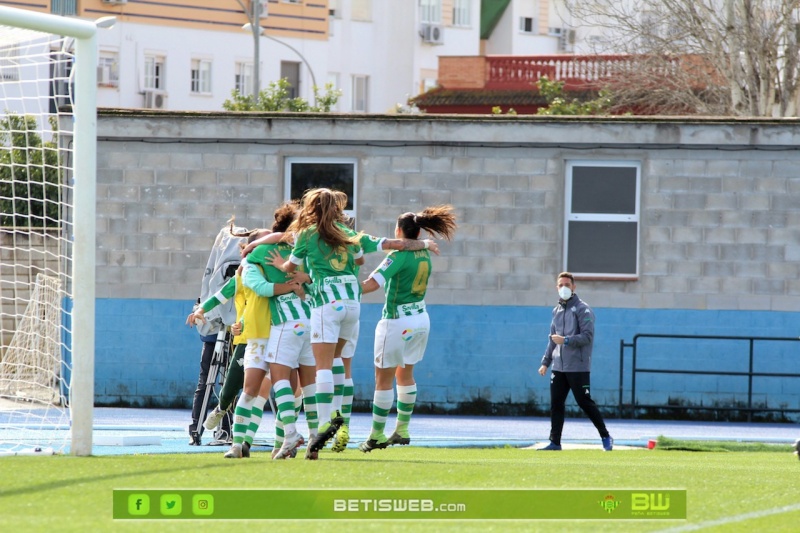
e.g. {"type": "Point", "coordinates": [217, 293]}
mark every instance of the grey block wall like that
{"type": "Point", "coordinates": [24, 254]}
{"type": "Point", "coordinates": [720, 199]}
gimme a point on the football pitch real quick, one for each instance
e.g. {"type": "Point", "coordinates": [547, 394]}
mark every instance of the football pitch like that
{"type": "Point", "coordinates": [725, 491]}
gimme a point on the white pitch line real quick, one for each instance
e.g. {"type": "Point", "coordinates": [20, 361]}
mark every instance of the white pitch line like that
{"type": "Point", "coordinates": [733, 519]}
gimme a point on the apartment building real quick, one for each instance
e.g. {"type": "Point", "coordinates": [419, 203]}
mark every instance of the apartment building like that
{"type": "Point", "coordinates": [190, 55]}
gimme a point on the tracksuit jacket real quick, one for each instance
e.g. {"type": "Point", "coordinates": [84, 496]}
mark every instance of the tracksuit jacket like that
{"type": "Point", "coordinates": [573, 319]}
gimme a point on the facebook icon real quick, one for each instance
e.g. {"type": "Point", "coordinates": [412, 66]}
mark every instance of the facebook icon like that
{"type": "Point", "coordinates": [138, 504]}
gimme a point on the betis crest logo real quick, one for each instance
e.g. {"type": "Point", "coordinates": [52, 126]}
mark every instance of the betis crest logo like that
{"type": "Point", "coordinates": [609, 503]}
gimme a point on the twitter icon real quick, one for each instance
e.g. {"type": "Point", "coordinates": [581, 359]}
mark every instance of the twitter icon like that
{"type": "Point", "coordinates": [170, 504]}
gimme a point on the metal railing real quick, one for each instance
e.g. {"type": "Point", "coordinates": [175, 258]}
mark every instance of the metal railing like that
{"type": "Point", "coordinates": [750, 373]}
{"type": "Point", "coordinates": [522, 72]}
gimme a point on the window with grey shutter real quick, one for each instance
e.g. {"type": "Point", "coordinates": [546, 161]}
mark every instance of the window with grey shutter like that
{"type": "Point", "coordinates": [601, 235]}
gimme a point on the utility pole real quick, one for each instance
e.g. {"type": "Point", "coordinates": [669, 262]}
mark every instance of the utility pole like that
{"type": "Point", "coordinates": [255, 15]}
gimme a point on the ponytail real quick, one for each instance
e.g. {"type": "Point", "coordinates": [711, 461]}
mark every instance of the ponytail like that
{"type": "Point", "coordinates": [438, 220]}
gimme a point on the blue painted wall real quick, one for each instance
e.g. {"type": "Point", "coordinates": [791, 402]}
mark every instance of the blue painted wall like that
{"type": "Point", "coordinates": [145, 355]}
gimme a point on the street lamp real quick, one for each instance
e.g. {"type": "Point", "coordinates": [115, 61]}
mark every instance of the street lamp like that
{"type": "Point", "coordinates": [105, 22]}
{"type": "Point", "coordinates": [259, 31]}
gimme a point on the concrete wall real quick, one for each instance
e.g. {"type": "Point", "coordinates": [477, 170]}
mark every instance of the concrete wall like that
{"type": "Point", "coordinates": [719, 249]}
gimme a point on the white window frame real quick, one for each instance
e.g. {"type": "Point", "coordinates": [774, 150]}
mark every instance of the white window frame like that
{"type": "Point", "coordinates": [155, 71]}
{"type": "Point", "coordinates": [569, 216]}
{"type": "Point", "coordinates": [108, 60]}
{"type": "Point", "coordinates": [200, 82]}
{"type": "Point", "coordinates": [430, 11]}
{"type": "Point", "coordinates": [359, 101]}
{"type": "Point", "coordinates": [9, 64]}
{"type": "Point", "coordinates": [462, 13]}
{"type": "Point", "coordinates": [243, 77]}
{"type": "Point", "coordinates": [289, 162]}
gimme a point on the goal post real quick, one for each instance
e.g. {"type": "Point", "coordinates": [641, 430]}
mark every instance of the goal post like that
{"type": "Point", "coordinates": [78, 227]}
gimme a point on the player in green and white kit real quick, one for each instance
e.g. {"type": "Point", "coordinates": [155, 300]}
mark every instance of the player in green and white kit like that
{"type": "Point", "coordinates": [289, 343]}
{"type": "Point", "coordinates": [331, 251]}
{"type": "Point", "coordinates": [342, 362]}
{"type": "Point", "coordinates": [402, 333]}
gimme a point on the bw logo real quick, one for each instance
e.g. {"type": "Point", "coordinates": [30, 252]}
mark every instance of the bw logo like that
{"type": "Point", "coordinates": [654, 501]}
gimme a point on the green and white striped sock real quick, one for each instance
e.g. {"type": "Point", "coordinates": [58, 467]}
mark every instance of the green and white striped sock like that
{"type": "Point", "coordinates": [298, 405]}
{"type": "Point", "coordinates": [310, 407]}
{"type": "Point", "coordinates": [284, 400]}
{"type": "Point", "coordinates": [381, 405]}
{"type": "Point", "coordinates": [278, 431]}
{"type": "Point", "coordinates": [406, 396]}
{"type": "Point", "coordinates": [347, 400]}
{"type": "Point", "coordinates": [241, 417]}
{"type": "Point", "coordinates": [338, 383]}
{"type": "Point", "coordinates": [324, 395]}
{"type": "Point", "coordinates": [256, 414]}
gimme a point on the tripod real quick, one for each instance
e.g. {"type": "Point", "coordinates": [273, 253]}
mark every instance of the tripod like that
{"type": "Point", "coordinates": [219, 361]}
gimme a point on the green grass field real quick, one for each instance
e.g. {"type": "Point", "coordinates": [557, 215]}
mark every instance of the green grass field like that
{"type": "Point", "coordinates": [731, 491]}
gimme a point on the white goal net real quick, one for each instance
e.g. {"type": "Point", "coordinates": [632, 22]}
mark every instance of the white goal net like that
{"type": "Point", "coordinates": [43, 372]}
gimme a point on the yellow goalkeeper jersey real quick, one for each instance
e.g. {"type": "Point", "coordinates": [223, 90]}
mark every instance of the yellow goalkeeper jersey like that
{"type": "Point", "coordinates": [255, 314]}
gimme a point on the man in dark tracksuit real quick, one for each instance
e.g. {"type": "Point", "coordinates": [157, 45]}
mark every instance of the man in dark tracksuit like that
{"type": "Point", "coordinates": [569, 350]}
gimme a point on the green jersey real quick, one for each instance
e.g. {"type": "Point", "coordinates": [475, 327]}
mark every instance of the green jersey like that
{"type": "Point", "coordinates": [333, 271]}
{"type": "Point", "coordinates": [371, 244]}
{"type": "Point", "coordinates": [405, 275]}
{"type": "Point", "coordinates": [227, 292]}
{"type": "Point", "coordinates": [283, 307]}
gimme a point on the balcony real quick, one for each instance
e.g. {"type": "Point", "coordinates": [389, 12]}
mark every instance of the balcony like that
{"type": "Point", "coordinates": [515, 73]}
{"type": "Point", "coordinates": [479, 84]}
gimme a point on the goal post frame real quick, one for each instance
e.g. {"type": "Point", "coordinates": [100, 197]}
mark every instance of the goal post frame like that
{"type": "Point", "coordinates": [84, 198]}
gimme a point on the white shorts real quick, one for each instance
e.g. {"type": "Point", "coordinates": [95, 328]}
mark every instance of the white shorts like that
{"type": "Point", "coordinates": [401, 341]}
{"type": "Point", "coordinates": [290, 344]}
{"type": "Point", "coordinates": [349, 348]}
{"type": "Point", "coordinates": [255, 355]}
{"type": "Point", "coordinates": [336, 320]}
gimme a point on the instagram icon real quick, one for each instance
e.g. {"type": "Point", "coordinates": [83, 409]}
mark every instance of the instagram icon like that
{"type": "Point", "coordinates": [202, 505]}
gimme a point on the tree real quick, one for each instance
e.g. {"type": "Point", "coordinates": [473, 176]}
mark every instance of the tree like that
{"type": "Point", "coordinates": [276, 98]}
{"type": "Point", "coordinates": [713, 57]}
{"type": "Point", "coordinates": [29, 175]}
{"type": "Point", "coordinates": [553, 92]}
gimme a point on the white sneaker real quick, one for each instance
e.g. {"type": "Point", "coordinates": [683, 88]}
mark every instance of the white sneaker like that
{"type": "Point", "coordinates": [234, 453]}
{"type": "Point", "coordinates": [214, 418]}
{"type": "Point", "coordinates": [290, 442]}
